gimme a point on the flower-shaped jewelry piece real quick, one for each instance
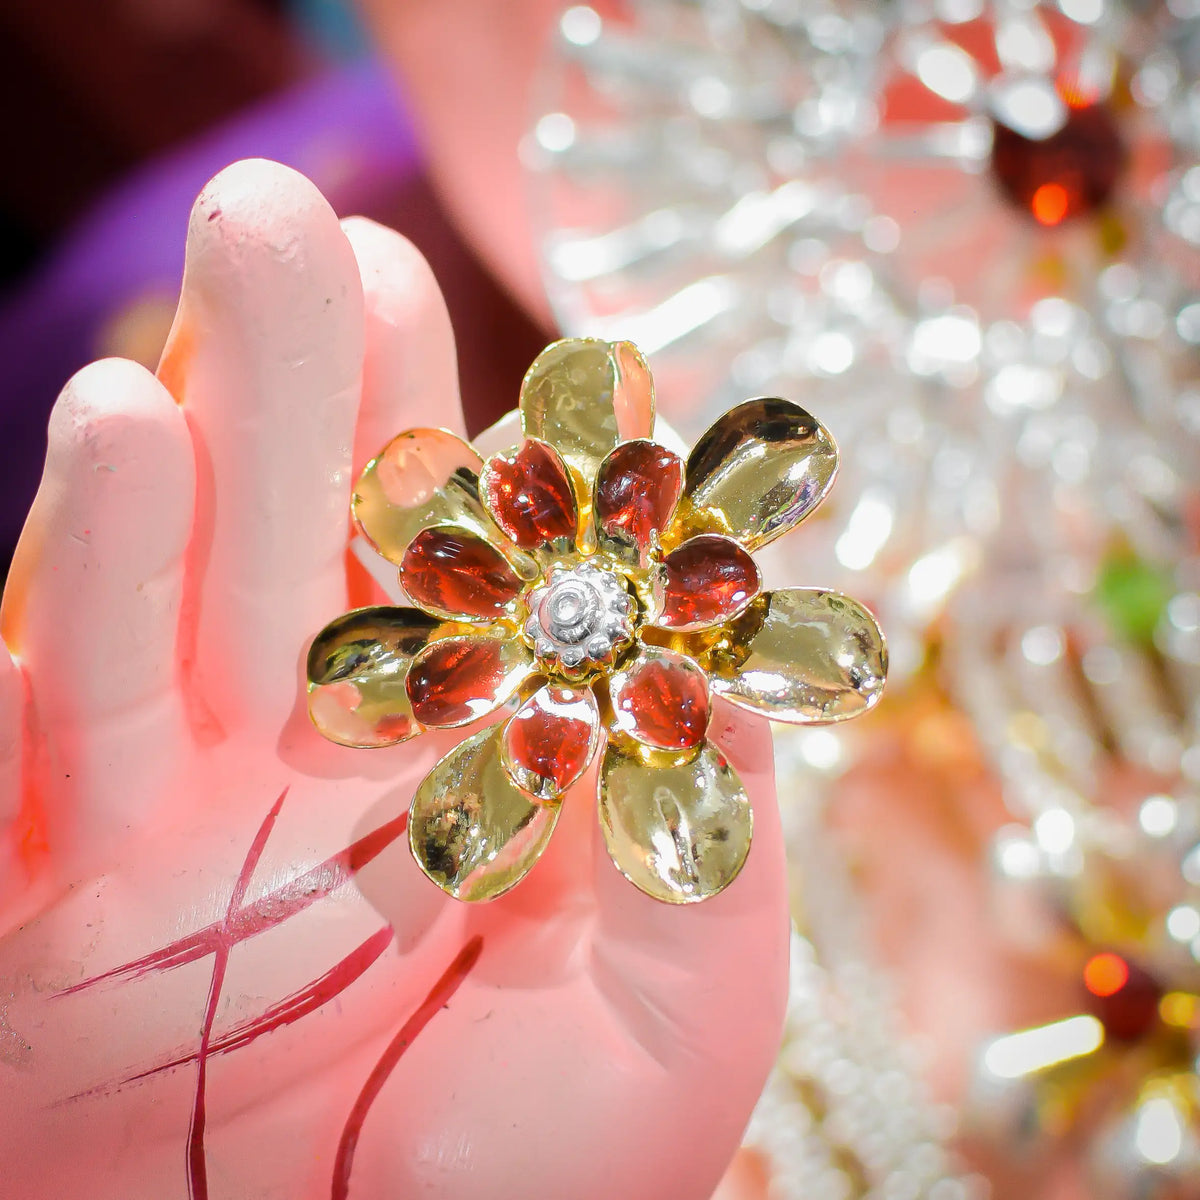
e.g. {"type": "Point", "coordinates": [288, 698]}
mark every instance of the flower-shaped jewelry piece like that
{"type": "Point", "coordinates": [591, 579]}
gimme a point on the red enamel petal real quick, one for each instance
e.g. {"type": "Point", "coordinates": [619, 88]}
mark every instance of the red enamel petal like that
{"type": "Point", "coordinates": [461, 679]}
{"type": "Point", "coordinates": [452, 571]}
{"type": "Point", "coordinates": [551, 739]}
{"type": "Point", "coordinates": [529, 495]}
{"type": "Point", "coordinates": [637, 489]}
{"type": "Point", "coordinates": [707, 580]}
{"type": "Point", "coordinates": [661, 700]}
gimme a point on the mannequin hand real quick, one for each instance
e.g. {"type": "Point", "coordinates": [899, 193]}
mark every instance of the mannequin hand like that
{"type": "Point", "coordinates": [221, 973]}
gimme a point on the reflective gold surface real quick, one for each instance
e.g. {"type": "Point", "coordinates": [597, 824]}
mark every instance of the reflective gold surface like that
{"type": "Point", "coordinates": [472, 831]}
{"type": "Point", "coordinates": [422, 477]}
{"type": "Point", "coordinates": [757, 472]}
{"type": "Point", "coordinates": [567, 400]}
{"type": "Point", "coordinates": [678, 833]}
{"type": "Point", "coordinates": [634, 539]}
{"type": "Point", "coordinates": [802, 655]}
{"type": "Point", "coordinates": [356, 671]}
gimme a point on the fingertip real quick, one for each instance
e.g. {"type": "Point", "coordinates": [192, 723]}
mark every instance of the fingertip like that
{"type": "Point", "coordinates": [251, 204]}
{"type": "Point", "coordinates": [269, 275]}
{"type": "Point", "coordinates": [410, 368]}
{"type": "Point", "coordinates": [108, 529]}
{"type": "Point", "coordinates": [266, 356]}
{"type": "Point", "coordinates": [391, 265]}
{"type": "Point", "coordinates": [115, 411]}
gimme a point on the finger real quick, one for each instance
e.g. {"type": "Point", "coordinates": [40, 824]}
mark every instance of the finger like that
{"type": "Point", "coordinates": [266, 357]}
{"type": "Point", "coordinates": [12, 741]}
{"type": "Point", "coordinates": [649, 1002]}
{"type": "Point", "coordinates": [410, 371]}
{"type": "Point", "coordinates": [12, 738]}
{"type": "Point", "coordinates": [93, 602]}
{"type": "Point", "coordinates": [707, 979]}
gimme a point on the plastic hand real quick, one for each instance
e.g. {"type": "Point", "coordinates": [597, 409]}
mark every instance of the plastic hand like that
{"type": "Point", "coordinates": [221, 973]}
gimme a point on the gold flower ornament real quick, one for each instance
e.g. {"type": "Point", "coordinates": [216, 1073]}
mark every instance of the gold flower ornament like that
{"type": "Point", "coordinates": [598, 589]}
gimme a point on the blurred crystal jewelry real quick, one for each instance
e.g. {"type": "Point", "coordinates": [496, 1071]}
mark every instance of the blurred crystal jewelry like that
{"type": "Point", "coordinates": [843, 1114]}
{"type": "Point", "coordinates": [970, 229]}
{"type": "Point", "coordinates": [1085, 686]}
{"type": "Point", "coordinates": [957, 225]}
{"type": "Point", "coordinates": [593, 579]}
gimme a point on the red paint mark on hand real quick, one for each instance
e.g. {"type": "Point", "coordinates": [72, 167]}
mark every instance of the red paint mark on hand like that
{"type": "Point", "coordinates": [438, 997]}
{"type": "Point", "coordinates": [197, 1166]}
{"type": "Point", "coordinates": [240, 922]}
{"type": "Point", "coordinates": [265, 913]}
{"type": "Point", "coordinates": [291, 1008]}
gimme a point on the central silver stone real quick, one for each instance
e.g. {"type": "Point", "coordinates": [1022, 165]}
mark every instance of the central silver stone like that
{"type": "Point", "coordinates": [570, 611]}
{"type": "Point", "coordinates": [579, 616]}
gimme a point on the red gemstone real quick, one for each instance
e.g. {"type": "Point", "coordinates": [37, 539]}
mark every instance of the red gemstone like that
{"type": "Point", "coordinates": [550, 741]}
{"type": "Point", "coordinates": [661, 700]}
{"type": "Point", "coordinates": [637, 489]}
{"type": "Point", "coordinates": [529, 495]}
{"type": "Point", "coordinates": [1069, 174]}
{"type": "Point", "coordinates": [456, 572]}
{"type": "Point", "coordinates": [1123, 997]}
{"type": "Point", "coordinates": [456, 680]}
{"type": "Point", "coordinates": [707, 580]}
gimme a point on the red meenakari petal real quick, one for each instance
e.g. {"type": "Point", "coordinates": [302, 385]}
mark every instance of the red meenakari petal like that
{"type": "Point", "coordinates": [529, 494]}
{"type": "Point", "coordinates": [661, 700]}
{"type": "Point", "coordinates": [551, 739]}
{"type": "Point", "coordinates": [454, 573]}
{"type": "Point", "coordinates": [637, 488]}
{"type": "Point", "coordinates": [460, 679]}
{"type": "Point", "coordinates": [705, 581]}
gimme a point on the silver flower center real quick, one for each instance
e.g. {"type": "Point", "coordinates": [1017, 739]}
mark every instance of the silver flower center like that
{"type": "Point", "coordinates": [579, 616]}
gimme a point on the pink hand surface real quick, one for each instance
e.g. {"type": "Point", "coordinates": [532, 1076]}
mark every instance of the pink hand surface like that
{"type": "Point", "coordinates": [221, 973]}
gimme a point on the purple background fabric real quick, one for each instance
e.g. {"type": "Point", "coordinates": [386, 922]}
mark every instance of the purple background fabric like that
{"type": "Point", "coordinates": [347, 130]}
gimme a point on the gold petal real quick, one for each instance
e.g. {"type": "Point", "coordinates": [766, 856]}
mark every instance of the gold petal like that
{"type": "Point", "coordinates": [422, 477]}
{"type": "Point", "coordinates": [571, 396]}
{"type": "Point", "coordinates": [471, 829]}
{"type": "Point", "coordinates": [759, 471]}
{"type": "Point", "coordinates": [357, 666]}
{"type": "Point", "coordinates": [678, 833]}
{"type": "Point", "coordinates": [801, 655]}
